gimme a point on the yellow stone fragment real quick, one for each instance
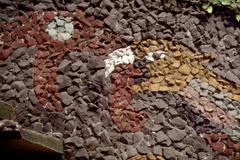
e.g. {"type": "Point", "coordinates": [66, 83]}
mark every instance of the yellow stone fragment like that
{"type": "Point", "coordinates": [177, 54]}
{"type": "Point", "coordinates": [158, 79]}
{"type": "Point", "coordinates": [154, 87]}
{"type": "Point", "coordinates": [137, 88]}
{"type": "Point", "coordinates": [160, 158]}
{"type": "Point", "coordinates": [153, 42]}
{"type": "Point", "coordinates": [189, 78]}
{"type": "Point", "coordinates": [163, 88]}
{"type": "Point", "coordinates": [230, 95]}
{"type": "Point", "coordinates": [184, 69]}
{"type": "Point", "coordinates": [236, 97]}
{"type": "Point", "coordinates": [204, 79]}
{"type": "Point", "coordinates": [174, 89]}
{"type": "Point", "coordinates": [213, 82]}
{"type": "Point", "coordinates": [150, 156]}
{"type": "Point", "coordinates": [178, 81]}
{"type": "Point", "coordinates": [176, 64]}
{"type": "Point", "coordinates": [146, 49]}
{"type": "Point", "coordinates": [117, 111]}
{"type": "Point", "coordinates": [153, 48]}
{"type": "Point", "coordinates": [183, 84]}
{"type": "Point", "coordinates": [194, 71]}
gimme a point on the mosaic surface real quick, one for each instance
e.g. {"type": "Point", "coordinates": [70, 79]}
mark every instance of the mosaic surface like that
{"type": "Point", "coordinates": [117, 97]}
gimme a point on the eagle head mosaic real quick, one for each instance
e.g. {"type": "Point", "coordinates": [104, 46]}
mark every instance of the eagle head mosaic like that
{"type": "Point", "coordinates": [125, 80]}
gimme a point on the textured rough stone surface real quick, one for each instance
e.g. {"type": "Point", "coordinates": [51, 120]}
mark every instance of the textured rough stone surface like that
{"type": "Point", "coordinates": [145, 105]}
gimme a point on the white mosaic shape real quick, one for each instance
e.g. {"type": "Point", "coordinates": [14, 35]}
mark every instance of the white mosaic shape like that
{"type": "Point", "coordinates": [119, 56]}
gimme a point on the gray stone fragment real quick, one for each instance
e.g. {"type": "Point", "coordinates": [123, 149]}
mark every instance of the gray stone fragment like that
{"type": "Point", "coordinates": [97, 128]}
{"type": "Point", "coordinates": [138, 137]}
{"type": "Point", "coordinates": [169, 153]}
{"type": "Point", "coordinates": [5, 87]}
{"type": "Point", "coordinates": [135, 28]}
{"type": "Point", "coordinates": [219, 103]}
{"type": "Point", "coordinates": [23, 64]}
{"type": "Point", "coordinates": [204, 85]}
{"type": "Point", "coordinates": [98, 32]}
{"type": "Point", "coordinates": [71, 7]}
{"type": "Point", "coordinates": [173, 112]}
{"type": "Point", "coordinates": [128, 38]}
{"type": "Point", "coordinates": [72, 89]}
{"type": "Point", "coordinates": [66, 98]}
{"type": "Point", "coordinates": [212, 89]}
{"type": "Point", "coordinates": [86, 131]}
{"type": "Point", "coordinates": [176, 135]}
{"type": "Point", "coordinates": [63, 81]}
{"type": "Point", "coordinates": [230, 106]}
{"type": "Point", "coordinates": [75, 140]}
{"type": "Point", "coordinates": [18, 85]}
{"type": "Point", "coordinates": [207, 49]}
{"type": "Point", "coordinates": [131, 151]}
{"type": "Point", "coordinates": [139, 105]}
{"type": "Point", "coordinates": [233, 113]}
{"type": "Point", "coordinates": [179, 145]}
{"type": "Point", "coordinates": [104, 136]}
{"type": "Point", "coordinates": [229, 41]}
{"type": "Point", "coordinates": [94, 1]}
{"type": "Point", "coordinates": [75, 66]}
{"type": "Point", "coordinates": [91, 142]}
{"type": "Point", "coordinates": [162, 138]}
{"type": "Point", "coordinates": [107, 3]}
{"type": "Point", "coordinates": [179, 122]}
{"type": "Point", "coordinates": [232, 77]}
{"type": "Point", "coordinates": [95, 63]}
{"type": "Point", "coordinates": [110, 158]}
{"type": "Point", "coordinates": [18, 52]}
{"type": "Point", "coordinates": [218, 95]}
{"type": "Point", "coordinates": [82, 154]}
{"type": "Point", "coordinates": [157, 150]}
{"type": "Point", "coordinates": [63, 66]}
{"type": "Point", "coordinates": [143, 148]}
{"type": "Point", "coordinates": [127, 138]}
{"type": "Point", "coordinates": [37, 126]}
{"type": "Point", "coordinates": [9, 94]}
{"type": "Point", "coordinates": [151, 19]}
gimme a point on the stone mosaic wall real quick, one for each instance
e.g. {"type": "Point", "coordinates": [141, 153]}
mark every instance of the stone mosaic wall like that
{"type": "Point", "coordinates": [125, 80]}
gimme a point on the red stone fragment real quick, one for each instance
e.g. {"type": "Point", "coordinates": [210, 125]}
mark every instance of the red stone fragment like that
{"type": "Point", "coordinates": [30, 40]}
{"type": "Point", "coordinates": [57, 45]}
{"type": "Point", "coordinates": [237, 147]}
{"type": "Point", "coordinates": [18, 43]}
{"type": "Point", "coordinates": [39, 90]}
{"type": "Point", "coordinates": [5, 53]}
{"type": "Point", "coordinates": [228, 152]}
{"type": "Point", "coordinates": [219, 147]}
{"type": "Point", "coordinates": [48, 16]}
{"type": "Point", "coordinates": [70, 44]}
{"type": "Point", "coordinates": [6, 37]}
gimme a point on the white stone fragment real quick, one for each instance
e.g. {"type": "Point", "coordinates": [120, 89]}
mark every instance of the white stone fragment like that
{"type": "Point", "coordinates": [63, 36]}
{"type": "Point", "coordinates": [59, 22]}
{"type": "Point", "coordinates": [52, 25]}
{"type": "Point", "coordinates": [150, 57]}
{"type": "Point", "coordinates": [69, 27]}
{"type": "Point", "coordinates": [119, 56]}
{"type": "Point", "coordinates": [52, 32]}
